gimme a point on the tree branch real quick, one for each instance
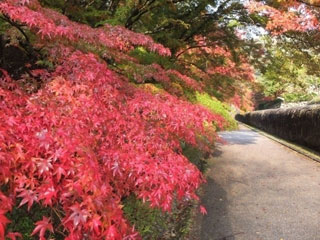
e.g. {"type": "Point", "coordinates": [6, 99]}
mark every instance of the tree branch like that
{"type": "Point", "coordinates": [16, 25]}
{"type": "Point", "coordinates": [212, 16]}
{"type": "Point", "coordinates": [138, 12]}
{"type": "Point", "coordinates": [192, 47]}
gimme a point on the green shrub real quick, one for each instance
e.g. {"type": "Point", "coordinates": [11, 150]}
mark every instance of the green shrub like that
{"type": "Point", "coordinates": [217, 107]}
{"type": "Point", "coordinates": [151, 223]}
{"type": "Point", "coordinates": [195, 156]}
{"type": "Point", "coordinates": [298, 96]}
{"type": "Point", "coordinates": [148, 58]}
{"type": "Point", "coordinates": [154, 224]}
{"type": "Point", "coordinates": [23, 221]}
{"type": "Point", "coordinates": [315, 100]}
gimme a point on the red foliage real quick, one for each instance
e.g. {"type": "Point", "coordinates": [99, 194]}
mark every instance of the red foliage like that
{"type": "Point", "coordinates": [236, 100]}
{"type": "Point", "coordinates": [143, 73]}
{"type": "Point", "coordinates": [51, 25]}
{"type": "Point", "coordinates": [292, 15]}
{"type": "Point", "coordinates": [187, 81]}
{"type": "Point", "coordinates": [203, 210]}
{"type": "Point", "coordinates": [89, 138]}
{"type": "Point", "coordinates": [226, 67]}
{"type": "Point", "coordinates": [242, 71]}
{"type": "Point", "coordinates": [41, 227]}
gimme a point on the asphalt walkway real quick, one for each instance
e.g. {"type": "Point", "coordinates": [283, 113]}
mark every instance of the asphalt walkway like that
{"type": "Point", "coordinates": [260, 190]}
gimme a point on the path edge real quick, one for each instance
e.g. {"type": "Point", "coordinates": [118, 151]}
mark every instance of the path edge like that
{"type": "Point", "coordinates": [307, 152]}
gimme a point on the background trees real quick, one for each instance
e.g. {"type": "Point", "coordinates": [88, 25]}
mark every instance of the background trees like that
{"type": "Point", "coordinates": [290, 63]}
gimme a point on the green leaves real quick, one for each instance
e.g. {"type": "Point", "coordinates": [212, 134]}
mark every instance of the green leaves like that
{"type": "Point", "coordinates": [286, 72]}
{"type": "Point", "coordinates": [217, 107]}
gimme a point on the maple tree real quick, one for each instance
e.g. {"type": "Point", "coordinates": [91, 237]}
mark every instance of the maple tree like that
{"type": "Point", "coordinates": [86, 139]}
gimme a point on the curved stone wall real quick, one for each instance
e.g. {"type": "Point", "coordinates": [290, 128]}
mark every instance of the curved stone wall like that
{"type": "Point", "coordinates": [300, 125]}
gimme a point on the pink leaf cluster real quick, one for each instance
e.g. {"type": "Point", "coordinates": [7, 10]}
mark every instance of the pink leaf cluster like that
{"type": "Point", "coordinates": [50, 24]}
{"type": "Point", "coordinates": [88, 139]}
{"type": "Point", "coordinates": [156, 72]}
{"type": "Point", "coordinates": [243, 71]}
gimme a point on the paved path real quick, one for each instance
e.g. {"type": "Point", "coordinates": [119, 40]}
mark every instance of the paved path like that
{"type": "Point", "coordinates": [260, 190]}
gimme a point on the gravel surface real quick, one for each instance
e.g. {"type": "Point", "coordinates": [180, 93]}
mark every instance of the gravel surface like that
{"type": "Point", "coordinates": [259, 190]}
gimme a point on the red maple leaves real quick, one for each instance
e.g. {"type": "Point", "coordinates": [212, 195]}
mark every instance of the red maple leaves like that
{"type": "Point", "coordinates": [51, 25]}
{"type": "Point", "coordinates": [90, 138]}
{"type": "Point", "coordinates": [3, 223]}
{"type": "Point", "coordinates": [41, 227]}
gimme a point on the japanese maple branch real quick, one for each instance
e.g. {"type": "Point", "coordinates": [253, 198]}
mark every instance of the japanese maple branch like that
{"type": "Point", "coordinates": [138, 13]}
{"type": "Point", "coordinates": [192, 47]}
{"type": "Point", "coordinates": [193, 64]}
{"type": "Point", "coordinates": [16, 25]}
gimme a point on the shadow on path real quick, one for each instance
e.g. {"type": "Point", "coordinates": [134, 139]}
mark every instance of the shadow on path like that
{"type": "Point", "coordinates": [215, 225]}
{"type": "Point", "coordinates": [242, 137]}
